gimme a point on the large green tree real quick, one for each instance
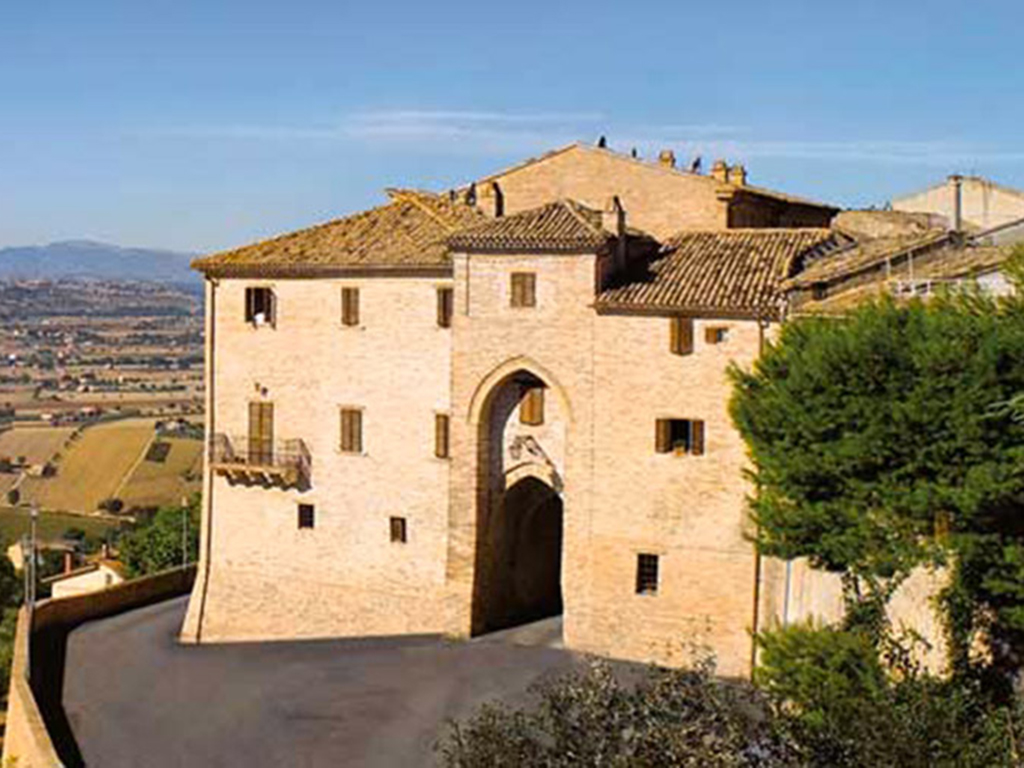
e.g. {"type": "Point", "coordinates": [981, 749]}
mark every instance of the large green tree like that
{"type": "Point", "coordinates": [157, 545]}
{"type": "Point", "coordinates": [883, 440]}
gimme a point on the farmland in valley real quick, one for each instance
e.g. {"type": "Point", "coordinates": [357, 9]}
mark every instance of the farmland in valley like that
{"type": "Point", "coordinates": [160, 478]}
{"type": "Point", "coordinates": [36, 444]}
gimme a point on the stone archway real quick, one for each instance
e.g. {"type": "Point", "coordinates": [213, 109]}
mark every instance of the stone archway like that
{"type": "Point", "coordinates": [521, 428]}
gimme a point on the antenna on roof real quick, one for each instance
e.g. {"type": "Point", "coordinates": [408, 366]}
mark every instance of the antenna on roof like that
{"type": "Point", "coordinates": [602, 142]}
{"type": "Point", "coordinates": [471, 194]}
{"type": "Point", "coordinates": [695, 165]}
{"type": "Point", "coordinates": [633, 153]}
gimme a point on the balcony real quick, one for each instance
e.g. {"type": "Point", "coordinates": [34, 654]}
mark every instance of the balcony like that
{"type": "Point", "coordinates": [260, 462]}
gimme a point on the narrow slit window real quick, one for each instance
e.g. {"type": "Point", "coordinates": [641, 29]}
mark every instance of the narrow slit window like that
{"type": "Point", "coordinates": [306, 516]}
{"type": "Point", "coordinates": [524, 289]}
{"type": "Point", "coordinates": [259, 306]}
{"type": "Point", "coordinates": [445, 306]}
{"type": "Point", "coordinates": [679, 436]}
{"type": "Point", "coordinates": [399, 530]}
{"type": "Point", "coordinates": [350, 306]}
{"type": "Point", "coordinates": [681, 335]}
{"type": "Point", "coordinates": [646, 574]}
{"type": "Point", "coordinates": [442, 445]}
{"type": "Point", "coordinates": [351, 430]}
{"type": "Point", "coordinates": [531, 407]}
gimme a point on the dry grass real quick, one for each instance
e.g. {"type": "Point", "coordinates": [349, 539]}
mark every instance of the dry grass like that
{"type": "Point", "coordinates": [93, 468]}
{"type": "Point", "coordinates": [36, 444]}
{"type": "Point", "coordinates": [15, 522]}
{"type": "Point", "coordinates": [160, 484]}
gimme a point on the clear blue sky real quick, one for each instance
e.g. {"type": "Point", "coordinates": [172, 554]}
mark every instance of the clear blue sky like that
{"type": "Point", "coordinates": [198, 125]}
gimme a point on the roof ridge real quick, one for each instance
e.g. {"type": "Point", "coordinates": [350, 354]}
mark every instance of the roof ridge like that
{"type": "Point", "coordinates": [574, 206]}
{"type": "Point", "coordinates": [415, 197]}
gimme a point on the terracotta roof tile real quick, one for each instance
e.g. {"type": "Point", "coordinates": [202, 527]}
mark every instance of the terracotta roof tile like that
{"type": "Point", "coordinates": [562, 226]}
{"type": "Point", "coordinates": [729, 271]}
{"type": "Point", "coordinates": [408, 232]}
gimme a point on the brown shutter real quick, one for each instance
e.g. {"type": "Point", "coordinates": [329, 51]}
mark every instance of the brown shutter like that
{"type": "Point", "coordinates": [441, 436]}
{"type": "Point", "coordinates": [697, 438]}
{"type": "Point", "coordinates": [711, 335]}
{"type": "Point", "coordinates": [531, 407]}
{"type": "Point", "coordinates": [445, 304]}
{"type": "Point", "coordinates": [350, 306]}
{"type": "Point", "coordinates": [261, 433]}
{"type": "Point", "coordinates": [250, 304]}
{"type": "Point", "coordinates": [529, 290]}
{"type": "Point", "coordinates": [352, 430]}
{"type": "Point", "coordinates": [517, 290]}
{"type": "Point", "coordinates": [681, 335]}
{"type": "Point", "coordinates": [270, 309]}
{"type": "Point", "coordinates": [662, 436]}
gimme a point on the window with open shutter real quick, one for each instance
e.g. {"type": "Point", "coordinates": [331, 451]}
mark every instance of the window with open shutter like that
{"type": "Point", "coordinates": [259, 306]}
{"type": "Point", "coordinates": [445, 305]}
{"type": "Point", "coordinates": [679, 436]}
{"type": "Point", "coordinates": [350, 306]}
{"type": "Point", "coordinates": [261, 433]}
{"type": "Point", "coordinates": [441, 435]}
{"type": "Point", "coordinates": [399, 531]}
{"type": "Point", "coordinates": [531, 407]}
{"type": "Point", "coordinates": [351, 430]}
{"type": "Point", "coordinates": [681, 335]}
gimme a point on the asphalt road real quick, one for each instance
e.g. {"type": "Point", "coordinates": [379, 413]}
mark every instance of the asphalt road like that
{"type": "Point", "coordinates": [135, 697]}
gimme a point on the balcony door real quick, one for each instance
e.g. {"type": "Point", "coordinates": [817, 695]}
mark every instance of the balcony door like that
{"type": "Point", "coordinates": [261, 433]}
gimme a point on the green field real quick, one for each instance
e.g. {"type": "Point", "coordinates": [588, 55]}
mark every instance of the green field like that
{"type": "Point", "coordinates": [156, 483]}
{"type": "Point", "coordinates": [93, 468]}
{"type": "Point", "coordinates": [15, 522]}
{"type": "Point", "coordinates": [36, 444]}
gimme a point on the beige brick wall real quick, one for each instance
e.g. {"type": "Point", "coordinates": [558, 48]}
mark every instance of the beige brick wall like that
{"type": "Point", "coordinates": [984, 204]}
{"type": "Point", "coordinates": [267, 578]}
{"type": "Point", "coordinates": [657, 200]}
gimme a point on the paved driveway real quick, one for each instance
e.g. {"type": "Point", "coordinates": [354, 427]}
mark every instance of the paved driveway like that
{"type": "Point", "coordinates": [135, 697]}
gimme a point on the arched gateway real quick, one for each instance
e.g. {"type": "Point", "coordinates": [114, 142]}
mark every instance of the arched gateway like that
{"type": "Point", "coordinates": [521, 424]}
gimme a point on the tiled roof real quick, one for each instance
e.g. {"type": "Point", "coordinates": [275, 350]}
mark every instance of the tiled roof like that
{"type": "Point", "coordinates": [735, 272]}
{"type": "Point", "coordinates": [409, 232]}
{"type": "Point", "coordinates": [561, 226]}
{"type": "Point", "coordinates": [861, 255]}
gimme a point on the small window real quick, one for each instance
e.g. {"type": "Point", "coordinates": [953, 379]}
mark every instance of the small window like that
{"type": "Point", "coordinates": [398, 530]}
{"type": "Point", "coordinates": [445, 305]}
{"type": "Point", "coordinates": [259, 306]}
{"type": "Point", "coordinates": [442, 446]}
{"type": "Point", "coordinates": [646, 574]}
{"type": "Point", "coordinates": [306, 515]}
{"type": "Point", "coordinates": [716, 334]}
{"type": "Point", "coordinates": [524, 289]}
{"type": "Point", "coordinates": [351, 430]}
{"type": "Point", "coordinates": [819, 291]}
{"type": "Point", "coordinates": [681, 335]}
{"type": "Point", "coordinates": [531, 407]}
{"type": "Point", "coordinates": [679, 436]}
{"type": "Point", "coordinates": [350, 306]}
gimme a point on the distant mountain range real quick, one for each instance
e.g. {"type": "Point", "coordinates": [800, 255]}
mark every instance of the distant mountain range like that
{"type": "Point", "coordinates": [89, 259]}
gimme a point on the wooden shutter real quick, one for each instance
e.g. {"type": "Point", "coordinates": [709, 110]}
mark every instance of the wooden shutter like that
{"type": "Point", "coordinates": [441, 435]}
{"type": "Point", "coordinates": [351, 430]}
{"type": "Point", "coordinates": [531, 407]}
{"type": "Point", "coordinates": [445, 304]}
{"type": "Point", "coordinates": [697, 437]}
{"type": "Point", "coordinates": [711, 335]}
{"type": "Point", "coordinates": [529, 290]}
{"type": "Point", "coordinates": [662, 436]}
{"type": "Point", "coordinates": [398, 532]}
{"type": "Point", "coordinates": [261, 433]}
{"type": "Point", "coordinates": [681, 335]}
{"type": "Point", "coordinates": [250, 305]}
{"type": "Point", "coordinates": [350, 306]}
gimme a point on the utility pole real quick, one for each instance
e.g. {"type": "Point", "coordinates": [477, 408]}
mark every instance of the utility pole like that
{"type": "Point", "coordinates": [30, 595]}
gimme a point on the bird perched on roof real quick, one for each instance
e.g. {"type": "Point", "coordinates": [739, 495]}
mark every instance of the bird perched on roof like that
{"type": "Point", "coordinates": [602, 142]}
{"type": "Point", "coordinates": [695, 165]}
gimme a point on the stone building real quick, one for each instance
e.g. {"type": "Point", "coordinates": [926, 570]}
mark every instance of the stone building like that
{"type": "Point", "coordinates": [458, 412]}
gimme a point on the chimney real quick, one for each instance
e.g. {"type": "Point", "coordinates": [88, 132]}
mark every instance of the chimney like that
{"type": "Point", "coordinates": [738, 175]}
{"type": "Point", "coordinates": [69, 561]}
{"type": "Point", "coordinates": [720, 171]}
{"type": "Point", "coordinates": [667, 158]}
{"type": "Point", "coordinates": [957, 182]}
{"type": "Point", "coordinates": [613, 219]}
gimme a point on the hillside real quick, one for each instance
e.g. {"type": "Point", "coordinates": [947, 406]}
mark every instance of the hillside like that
{"type": "Point", "coordinates": [85, 258]}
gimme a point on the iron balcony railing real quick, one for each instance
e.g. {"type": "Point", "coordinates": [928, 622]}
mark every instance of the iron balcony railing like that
{"type": "Point", "coordinates": [288, 460]}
